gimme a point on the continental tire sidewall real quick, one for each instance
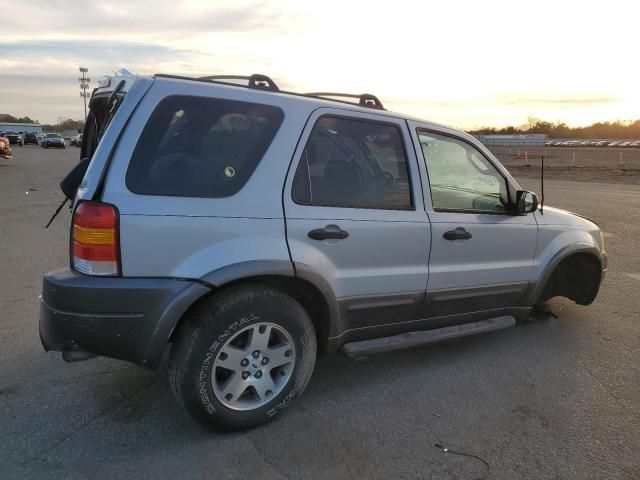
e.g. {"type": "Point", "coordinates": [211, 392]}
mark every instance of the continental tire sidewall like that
{"type": "Point", "coordinates": [230, 314]}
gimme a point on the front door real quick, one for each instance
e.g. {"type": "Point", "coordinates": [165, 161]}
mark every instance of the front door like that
{"type": "Point", "coordinates": [355, 216]}
{"type": "Point", "coordinates": [481, 253]}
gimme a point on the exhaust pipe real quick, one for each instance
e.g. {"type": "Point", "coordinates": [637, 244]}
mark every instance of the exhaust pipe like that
{"type": "Point", "coordinates": [76, 355]}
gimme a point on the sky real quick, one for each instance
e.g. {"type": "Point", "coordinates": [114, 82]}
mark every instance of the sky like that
{"type": "Point", "coordinates": [466, 64]}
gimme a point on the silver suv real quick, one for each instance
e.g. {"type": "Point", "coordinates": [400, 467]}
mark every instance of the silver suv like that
{"type": "Point", "coordinates": [251, 229]}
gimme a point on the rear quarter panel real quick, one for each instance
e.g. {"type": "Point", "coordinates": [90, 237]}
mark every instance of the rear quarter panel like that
{"type": "Point", "coordinates": [190, 237]}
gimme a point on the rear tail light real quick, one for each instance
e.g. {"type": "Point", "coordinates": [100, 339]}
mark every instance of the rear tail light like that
{"type": "Point", "coordinates": [94, 240]}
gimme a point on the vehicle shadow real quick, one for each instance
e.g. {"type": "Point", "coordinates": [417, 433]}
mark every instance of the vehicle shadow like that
{"type": "Point", "coordinates": [134, 395]}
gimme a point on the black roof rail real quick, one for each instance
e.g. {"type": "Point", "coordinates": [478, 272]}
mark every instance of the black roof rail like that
{"type": "Point", "coordinates": [261, 82]}
{"type": "Point", "coordinates": [364, 99]}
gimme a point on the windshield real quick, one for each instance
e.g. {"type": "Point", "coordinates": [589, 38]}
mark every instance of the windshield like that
{"type": "Point", "coordinates": [53, 135]}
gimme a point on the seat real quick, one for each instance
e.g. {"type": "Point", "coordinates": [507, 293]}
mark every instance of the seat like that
{"type": "Point", "coordinates": [341, 184]}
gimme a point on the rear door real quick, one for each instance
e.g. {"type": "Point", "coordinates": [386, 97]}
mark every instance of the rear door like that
{"type": "Point", "coordinates": [355, 216]}
{"type": "Point", "coordinates": [481, 253]}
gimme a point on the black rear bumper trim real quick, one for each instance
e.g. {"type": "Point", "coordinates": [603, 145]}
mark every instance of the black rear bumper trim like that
{"type": "Point", "coordinates": [124, 318]}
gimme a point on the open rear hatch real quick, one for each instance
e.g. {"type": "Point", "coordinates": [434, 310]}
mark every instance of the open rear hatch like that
{"type": "Point", "coordinates": [103, 107]}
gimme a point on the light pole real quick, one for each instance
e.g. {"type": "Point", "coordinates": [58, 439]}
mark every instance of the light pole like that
{"type": "Point", "coordinates": [84, 86]}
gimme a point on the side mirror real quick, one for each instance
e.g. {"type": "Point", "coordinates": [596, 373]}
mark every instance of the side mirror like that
{"type": "Point", "coordinates": [526, 202]}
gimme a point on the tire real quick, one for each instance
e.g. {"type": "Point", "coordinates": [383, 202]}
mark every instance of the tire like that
{"type": "Point", "coordinates": [220, 332]}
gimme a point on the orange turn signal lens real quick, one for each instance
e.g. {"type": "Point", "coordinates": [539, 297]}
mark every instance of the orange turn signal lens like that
{"type": "Point", "coordinates": [94, 236]}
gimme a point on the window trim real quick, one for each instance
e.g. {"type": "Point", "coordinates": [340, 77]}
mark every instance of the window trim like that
{"type": "Point", "coordinates": [508, 211]}
{"type": "Point", "coordinates": [397, 126]}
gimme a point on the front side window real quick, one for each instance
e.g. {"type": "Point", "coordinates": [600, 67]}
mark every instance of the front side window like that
{"type": "Point", "coordinates": [201, 147]}
{"type": "Point", "coordinates": [460, 177]}
{"type": "Point", "coordinates": [353, 163]}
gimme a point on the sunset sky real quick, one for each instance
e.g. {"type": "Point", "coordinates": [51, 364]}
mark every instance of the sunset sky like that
{"type": "Point", "coordinates": [467, 64]}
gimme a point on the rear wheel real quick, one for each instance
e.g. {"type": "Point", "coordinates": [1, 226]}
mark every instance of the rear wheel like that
{"type": "Point", "coordinates": [242, 357]}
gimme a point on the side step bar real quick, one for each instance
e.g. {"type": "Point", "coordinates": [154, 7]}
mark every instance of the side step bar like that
{"type": "Point", "coordinates": [412, 339]}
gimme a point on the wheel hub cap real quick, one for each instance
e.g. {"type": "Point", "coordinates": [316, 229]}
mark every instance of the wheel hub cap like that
{"type": "Point", "coordinates": [253, 366]}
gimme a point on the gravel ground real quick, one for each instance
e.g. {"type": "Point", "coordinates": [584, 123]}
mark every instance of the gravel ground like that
{"type": "Point", "coordinates": [592, 164]}
{"type": "Point", "coordinates": [554, 398]}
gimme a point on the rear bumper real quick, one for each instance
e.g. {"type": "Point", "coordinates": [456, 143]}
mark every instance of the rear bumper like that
{"type": "Point", "coordinates": [125, 318]}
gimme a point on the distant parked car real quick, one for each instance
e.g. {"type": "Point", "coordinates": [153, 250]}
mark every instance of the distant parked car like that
{"type": "Point", "coordinates": [14, 138]}
{"type": "Point", "coordinates": [53, 140]}
{"type": "Point", "coordinates": [30, 138]}
{"type": "Point", "coordinates": [76, 141]}
{"type": "Point", "coordinates": [635, 144]}
{"type": "Point", "coordinates": [5, 147]}
{"type": "Point", "coordinates": [625, 144]}
{"type": "Point", "coordinates": [614, 144]}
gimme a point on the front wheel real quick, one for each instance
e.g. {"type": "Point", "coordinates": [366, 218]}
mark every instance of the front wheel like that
{"type": "Point", "coordinates": [242, 357]}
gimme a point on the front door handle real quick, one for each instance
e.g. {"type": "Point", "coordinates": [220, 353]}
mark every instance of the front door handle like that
{"type": "Point", "coordinates": [327, 233]}
{"type": "Point", "coordinates": [457, 234]}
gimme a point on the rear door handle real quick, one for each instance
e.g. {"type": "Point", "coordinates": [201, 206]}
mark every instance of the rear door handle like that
{"type": "Point", "coordinates": [327, 233]}
{"type": "Point", "coordinates": [457, 234]}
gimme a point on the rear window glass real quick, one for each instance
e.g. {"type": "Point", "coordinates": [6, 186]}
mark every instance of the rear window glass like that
{"type": "Point", "coordinates": [201, 147]}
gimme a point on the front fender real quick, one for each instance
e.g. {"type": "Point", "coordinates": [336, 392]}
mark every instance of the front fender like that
{"type": "Point", "coordinates": [557, 245]}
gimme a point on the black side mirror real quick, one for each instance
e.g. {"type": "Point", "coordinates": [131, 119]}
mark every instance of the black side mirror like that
{"type": "Point", "coordinates": [526, 202]}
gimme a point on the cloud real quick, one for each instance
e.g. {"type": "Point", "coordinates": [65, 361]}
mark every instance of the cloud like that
{"type": "Point", "coordinates": [40, 78]}
{"type": "Point", "coordinates": [53, 57]}
{"type": "Point", "coordinates": [570, 101]}
{"type": "Point", "coordinates": [65, 19]}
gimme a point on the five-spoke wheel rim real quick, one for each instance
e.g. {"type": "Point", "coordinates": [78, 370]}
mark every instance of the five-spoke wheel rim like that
{"type": "Point", "coordinates": [253, 366]}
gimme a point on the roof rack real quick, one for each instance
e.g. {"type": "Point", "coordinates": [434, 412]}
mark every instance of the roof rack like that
{"type": "Point", "coordinates": [261, 82]}
{"type": "Point", "coordinates": [364, 99]}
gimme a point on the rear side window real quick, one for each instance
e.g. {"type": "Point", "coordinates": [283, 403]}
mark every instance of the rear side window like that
{"type": "Point", "coordinates": [353, 164]}
{"type": "Point", "coordinates": [201, 147]}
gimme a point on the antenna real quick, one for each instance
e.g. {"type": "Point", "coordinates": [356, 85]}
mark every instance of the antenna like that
{"type": "Point", "coordinates": [542, 186]}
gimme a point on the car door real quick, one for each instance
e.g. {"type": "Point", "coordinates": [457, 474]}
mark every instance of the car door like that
{"type": "Point", "coordinates": [355, 216]}
{"type": "Point", "coordinates": [481, 252]}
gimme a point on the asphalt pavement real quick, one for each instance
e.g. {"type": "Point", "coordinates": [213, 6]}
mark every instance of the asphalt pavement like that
{"type": "Point", "coordinates": [554, 398]}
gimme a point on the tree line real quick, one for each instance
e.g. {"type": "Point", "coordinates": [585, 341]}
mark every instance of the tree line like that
{"type": "Point", "coordinates": [62, 125]}
{"type": "Point", "coordinates": [618, 129]}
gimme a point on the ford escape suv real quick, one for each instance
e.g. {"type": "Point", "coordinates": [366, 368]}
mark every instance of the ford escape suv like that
{"type": "Point", "coordinates": [249, 230]}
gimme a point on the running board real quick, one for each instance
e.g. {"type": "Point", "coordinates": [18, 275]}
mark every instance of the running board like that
{"type": "Point", "coordinates": [413, 339]}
